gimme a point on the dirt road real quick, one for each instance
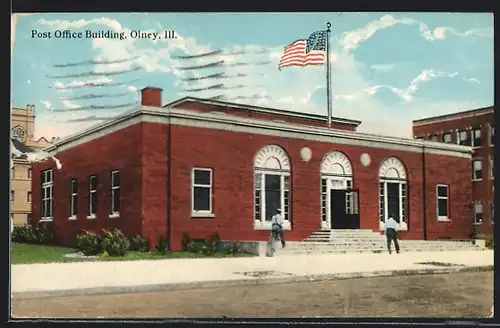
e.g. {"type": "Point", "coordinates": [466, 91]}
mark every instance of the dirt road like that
{"type": "Point", "coordinates": [443, 295]}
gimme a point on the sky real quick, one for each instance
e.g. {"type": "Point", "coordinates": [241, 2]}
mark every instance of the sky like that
{"type": "Point", "coordinates": [387, 69]}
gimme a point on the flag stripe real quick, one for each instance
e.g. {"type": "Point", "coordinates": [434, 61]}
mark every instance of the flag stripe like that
{"type": "Point", "coordinates": [296, 54]}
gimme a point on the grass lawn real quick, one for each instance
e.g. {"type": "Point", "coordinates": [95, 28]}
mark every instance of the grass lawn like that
{"type": "Point", "coordinates": [30, 253]}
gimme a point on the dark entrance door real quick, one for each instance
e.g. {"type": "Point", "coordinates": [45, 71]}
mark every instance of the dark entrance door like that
{"type": "Point", "coordinates": [393, 200]}
{"type": "Point", "coordinates": [344, 209]}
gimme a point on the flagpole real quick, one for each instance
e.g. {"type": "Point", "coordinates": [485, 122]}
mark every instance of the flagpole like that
{"type": "Point", "coordinates": [328, 86]}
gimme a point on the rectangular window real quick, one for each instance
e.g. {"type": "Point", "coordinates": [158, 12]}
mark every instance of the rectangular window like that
{"type": "Point", "coordinates": [12, 195]}
{"type": "Point", "coordinates": [382, 201]}
{"type": "Point", "coordinates": [13, 172]}
{"type": "Point", "coordinates": [29, 173]}
{"type": "Point", "coordinates": [73, 203]}
{"type": "Point", "coordinates": [257, 197]}
{"type": "Point", "coordinates": [477, 169]}
{"type": "Point", "coordinates": [324, 195]}
{"type": "Point", "coordinates": [28, 197]}
{"type": "Point", "coordinates": [492, 168]}
{"type": "Point", "coordinates": [92, 205]}
{"type": "Point", "coordinates": [442, 202]}
{"type": "Point", "coordinates": [492, 134]}
{"type": "Point", "coordinates": [286, 198]}
{"type": "Point", "coordinates": [433, 138]}
{"type": "Point", "coordinates": [446, 137]}
{"type": "Point", "coordinates": [201, 191]}
{"type": "Point", "coordinates": [47, 184]}
{"type": "Point", "coordinates": [115, 193]}
{"type": "Point", "coordinates": [478, 213]}
{"type": "Point", "coordinates": [476, 137]}
{"type": "Point", "coordinates": [28, 218]}
{"type": "Point", "coordinates": [463, 138]}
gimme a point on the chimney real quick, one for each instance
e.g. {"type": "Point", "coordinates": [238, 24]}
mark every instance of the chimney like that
{"type": "Point", "coordinates": [151, 96]}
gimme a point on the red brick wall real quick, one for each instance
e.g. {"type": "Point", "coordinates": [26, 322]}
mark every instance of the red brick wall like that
{"type": "Point", "coordinates": [231, 155]}
{"type": "Point", "coordinates": [266, 116]}
{"type": "Point", "coordinates": [481, 190]}
{"type": "Point", "coordinates": [121, 150]}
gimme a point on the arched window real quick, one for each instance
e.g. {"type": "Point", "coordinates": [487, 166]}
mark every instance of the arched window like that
{"type": "Point", "coordinates": [18, 133]}
{"type": "Point", "coordinates": [393, 192]}
{"type": "Point", "coordinates": [271, 186]}
{"type": "Point", "coordinates": [336, 174]}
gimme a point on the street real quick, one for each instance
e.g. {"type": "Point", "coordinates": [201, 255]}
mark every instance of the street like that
{"type": "Point", "coordinates": [442, 295]}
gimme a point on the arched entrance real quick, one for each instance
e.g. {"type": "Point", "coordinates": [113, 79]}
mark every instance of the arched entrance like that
{"type": "Point", "coordinates": [337, 199]}
{"type": "Point", "coordinates": [393, 190]}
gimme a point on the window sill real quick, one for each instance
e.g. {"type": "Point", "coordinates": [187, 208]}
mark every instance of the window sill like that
{"type": "Point", "coordinates": [202, 215]}
{"type": "Point", "coordinates": [477, 180]}
{"type": "Point", "coordinates": [442, 219]}
{"type": "Point", "coordinates": [267, 226]}
{"type": "Point", "coordinates": [91, 217]}
{"type": "Point", "coordinates": [45, 220]}
{"type": "Point", "coordinates": [478, 223]}
{"type": "Point", "coordinates": [114, 215]}
{"type": "Point", "coordinates": [72, 218]}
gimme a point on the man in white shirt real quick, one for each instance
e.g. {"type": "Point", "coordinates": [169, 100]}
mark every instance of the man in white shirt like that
{"type": "Point", "coordinates": [277, 229]}
{"type": "Point", "coordinates": [391, 233]}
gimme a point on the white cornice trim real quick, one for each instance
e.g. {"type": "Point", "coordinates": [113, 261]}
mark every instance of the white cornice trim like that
{"type": "Point", "coordinates": [453, 117]}
{"type": "Point", "coordinates": [222, 121]}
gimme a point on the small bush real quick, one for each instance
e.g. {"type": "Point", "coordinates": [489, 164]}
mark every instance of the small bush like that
{"type": "Point", "coordinates": [232, 248]}
{"type": "Point", "coordinates": [89, 243]}
{"type": "Point", "coordinates": [115, 243]}
{"type": "Point", "coordinates": [186, 241]}
{"type": "Point", "coordinates": [195, 246]}
{"type": "Point", "coordinates": [139, 244]}
{"type": "Point", "coordinates": [33, 235]}
{"type": "Point", "coordinates": [212, 244]}
{"type": "Point", "coordinates": [162, 245]}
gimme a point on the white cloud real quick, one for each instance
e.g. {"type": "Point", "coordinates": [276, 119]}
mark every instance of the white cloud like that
{"type": "Point", "coordinates": [62, 87]}
{"type": "Point", "coordinates": [352, 39]}
{"type": "Point", "coordinates": [291, 89]}
{"type": "Point", "coordinates": [382, 67]}
{"type": "Point", "coordinates": [68, 104]}
{"type": "Point", "coordinates": [47, 104]}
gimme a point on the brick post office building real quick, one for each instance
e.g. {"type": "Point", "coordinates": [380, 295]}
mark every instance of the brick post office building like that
{"type": "Point", "coordinates": [473, 128]}
{"type": "Point", "coordinates": [201, 166]}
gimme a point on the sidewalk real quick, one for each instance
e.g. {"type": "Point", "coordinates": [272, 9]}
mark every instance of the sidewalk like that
{"type": "Point", "coordinates": [80, 278]}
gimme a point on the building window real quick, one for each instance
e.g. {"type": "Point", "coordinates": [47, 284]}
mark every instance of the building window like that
{"type": "Point", "coordinates": [47, 184]}
{"type": "Point", "coordinates": [28, 218]}
{"type": "Point", "coordinates": [92, 206]}
{"type": "Point", "coordinates": [272, 189]}
{"type": "Point", "coordinates": [446, 137]}
{"type": "Point", "coordinates": [478, 213]}
{"type": "Point", "coordinates": [442, 202]}
{"type": "Point", "coordinates": [492, 134]}
{"type": "Point", "coordinates": [29, 173]}
{"type": "Point", "coordinates": [18, 133]}
{"type": "Point", "coordinates": [433, 137]}
{"type": "Point", "coordinates": [324, 198]}
{"type": "Point", "coordinates": [463, 138]}
{"type": "Point", "coordinates": [12, 195]}
{"type": "Point", "coordinates": [28, 197]}
{"type": "Point", "coordinates": [492, 212]}
{"type": "Point", "coordinates": [201, 191]}
{"type": "Point", "coordinates": [477, 169]}
{"type": "Point", "coordinates": [476, 137]}
{"type": "Point", "coordinates": [115, 193]}
{"type": "Point", "coordinates": [492, 168]}
{"type": "Point", "coordinates": [393, 192]}
{"type": "Point", "coordinates": [73, 203]}
{"type": "Point", "coordinates": [13, 172]}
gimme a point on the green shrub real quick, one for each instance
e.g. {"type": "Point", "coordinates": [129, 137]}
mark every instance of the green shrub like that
{"type": "Point", "coordinates": [89, 243]}
{"type": "Point", "coordinates": [33, 235]}
{"type": "Point", "coordinates": [196, 246]}
{"type": "Point", "coordinates": [162, 245]}
{"type": "Point", "coordinates": [232, 248]}
{"type": "Point", "coordinates": [139, 244]}
{"type": "Point", "coordinates": [186, 241]}
{"type": "Point", "coordinates": [115, 243]}
{"type": "Point", "coordinates": [212, 244]}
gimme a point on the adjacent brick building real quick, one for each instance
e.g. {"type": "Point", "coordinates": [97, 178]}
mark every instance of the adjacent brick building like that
{"type": "Point", "coordinates": [201, 166]}
{"type": "Point", "coordinates": [471, 128]}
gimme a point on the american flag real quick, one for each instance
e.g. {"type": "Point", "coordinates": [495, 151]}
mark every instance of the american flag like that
{"type": "Point", "coordinates": [305, 52]}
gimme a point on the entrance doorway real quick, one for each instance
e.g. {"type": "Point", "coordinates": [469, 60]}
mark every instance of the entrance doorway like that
{"type": "Point", "coordinates": [344, 209]}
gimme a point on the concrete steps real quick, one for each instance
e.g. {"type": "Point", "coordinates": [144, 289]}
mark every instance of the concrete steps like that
{"type": "Point", "coordinates": [366, 241]}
